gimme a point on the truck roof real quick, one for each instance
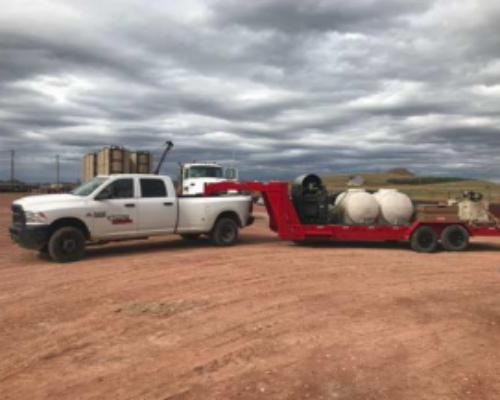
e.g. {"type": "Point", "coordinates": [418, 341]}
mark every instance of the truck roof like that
{"type": "Point", "coordinates": [133, 176]}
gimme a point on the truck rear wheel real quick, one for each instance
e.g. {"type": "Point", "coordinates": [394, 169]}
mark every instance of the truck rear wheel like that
{"type": "Point", "coordinates": [67, 245]}
{"type": "Point", "coordinates": [225, 232]}
{"type": "Point", "coordinates": [424, 240]}
{"type": "Point", "coordinates": [455, 238]}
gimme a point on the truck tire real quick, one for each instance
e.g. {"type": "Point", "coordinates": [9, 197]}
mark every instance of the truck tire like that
{"type": "Point", "coordinates": [424, 240]}
{"type": "Point", "coordinates": [225, 232]}
{"type": "Point", "coordinates": [190, 236]}
{"type": "Point", "coordinates": [67, 244]}
{"type": "Point", "coordinates": [455, 238]}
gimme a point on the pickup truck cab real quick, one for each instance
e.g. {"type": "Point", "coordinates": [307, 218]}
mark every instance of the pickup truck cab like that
{"type": "Point", "coordinates": [121, 207]}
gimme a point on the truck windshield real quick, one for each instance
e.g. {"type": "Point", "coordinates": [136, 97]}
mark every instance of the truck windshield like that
{"type": "Point", "coordinates": [89, 187]}
{"type": "Point", "coordinates": [205, 172]}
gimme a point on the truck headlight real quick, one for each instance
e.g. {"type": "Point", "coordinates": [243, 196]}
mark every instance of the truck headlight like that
{"type": "Point", "coordinates": [35, 217]}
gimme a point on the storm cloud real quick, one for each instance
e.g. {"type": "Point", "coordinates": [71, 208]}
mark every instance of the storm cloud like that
{"type": "Point", "coordinates": [280, 87]}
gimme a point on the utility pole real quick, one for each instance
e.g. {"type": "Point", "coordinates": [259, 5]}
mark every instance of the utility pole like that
{"type": "Point", "coordinates": [12, 166]}
{"type": "Point", "coordinates": [57, 171]}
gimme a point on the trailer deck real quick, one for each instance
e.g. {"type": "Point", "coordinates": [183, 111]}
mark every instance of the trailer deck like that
{"type": "Point", "coordinates": [283, 219]}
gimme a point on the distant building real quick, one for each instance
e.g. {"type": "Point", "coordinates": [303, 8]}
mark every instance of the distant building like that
{"type": "Point", "coordinates": [356, 181]}
{"type": "Point", "coordinates": [115, 160]}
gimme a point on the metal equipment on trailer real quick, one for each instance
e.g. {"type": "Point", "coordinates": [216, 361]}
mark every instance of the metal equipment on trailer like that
{"type": "Point", "coordinates": [309, 223]}
{"type": "Point", "coordinates": [168, 146]}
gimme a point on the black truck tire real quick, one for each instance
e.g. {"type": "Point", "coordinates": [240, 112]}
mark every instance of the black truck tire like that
{"type": "Point", "coordinates": [455, 238]}
{"type": "Point", "coordinates": [424, 240]}
{"type": "Point", "coordinates": [67, 244]}
{"type": "Point", "coordinates": [225, 232]}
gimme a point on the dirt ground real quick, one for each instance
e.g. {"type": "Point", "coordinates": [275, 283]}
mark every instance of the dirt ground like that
{"type": "Point", "coordinates": [166, 319]}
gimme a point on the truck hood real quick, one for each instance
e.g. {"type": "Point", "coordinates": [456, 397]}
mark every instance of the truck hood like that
{"type": "Point", "coordinates": [41, 203]}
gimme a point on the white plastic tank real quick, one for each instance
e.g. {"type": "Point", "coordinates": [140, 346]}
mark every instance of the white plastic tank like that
{"type": "Point", "coordinates": [357, 207]}
{"type": "Point", "coordinates": [396, 208]}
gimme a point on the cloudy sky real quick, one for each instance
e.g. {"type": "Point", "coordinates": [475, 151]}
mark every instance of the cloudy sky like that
{"type": "Point", "coordinates": [283, 87]}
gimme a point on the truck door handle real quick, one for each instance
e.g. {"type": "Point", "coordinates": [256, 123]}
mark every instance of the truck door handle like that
{"type": "Point", "coordinates": [168, 203]}
{"type": "Point", "coordinates": [130, 205]}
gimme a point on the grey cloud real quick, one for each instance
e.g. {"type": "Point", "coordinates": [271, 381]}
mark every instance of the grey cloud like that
{"type": "Point", "coordinates": [283, 87]}
{"type": "Point", "coordinates": [314, 15]}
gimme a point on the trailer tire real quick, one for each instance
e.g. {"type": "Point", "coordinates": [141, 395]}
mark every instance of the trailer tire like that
{"type": "Point", "coordinates": [455, 238]}
{"type": "Point", "coordinates": [67, 244]}
{"type": "Point", "coordinates": [224, 232]}
{"type": "Point", "coordinates": [424, 240]}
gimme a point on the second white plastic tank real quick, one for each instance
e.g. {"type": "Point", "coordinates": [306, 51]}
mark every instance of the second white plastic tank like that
{"type": "Point", "coordinates": [396, 208]}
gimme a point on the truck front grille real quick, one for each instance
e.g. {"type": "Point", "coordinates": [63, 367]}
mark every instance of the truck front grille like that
{"type": "Point", "coordinates": [18, 218]}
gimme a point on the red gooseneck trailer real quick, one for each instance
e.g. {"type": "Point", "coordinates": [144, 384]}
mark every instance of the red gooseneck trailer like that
{"type": "Point", "coordinates": [423, 236]}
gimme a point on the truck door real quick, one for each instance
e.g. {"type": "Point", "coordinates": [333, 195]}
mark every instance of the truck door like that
{"type": "Point", "coordinates": [157, 208]}
{"type": "Point", "coordinates": [115, 209]}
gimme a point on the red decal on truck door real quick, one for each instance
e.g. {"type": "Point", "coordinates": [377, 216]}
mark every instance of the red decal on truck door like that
{"type": "Point", "coordinates": [120, 219]}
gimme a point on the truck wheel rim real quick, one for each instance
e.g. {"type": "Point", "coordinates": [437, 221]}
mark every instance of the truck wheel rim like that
{"type": "Point", "coordinates": [68, 245]}
{"type": "Point", "coordinates": [227, 233]}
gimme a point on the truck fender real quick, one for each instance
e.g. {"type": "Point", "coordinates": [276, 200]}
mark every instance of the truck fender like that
{"type": "Point", "coordinates": [74, 222]}
{"type": "Point", "coordinates": [229, 214]}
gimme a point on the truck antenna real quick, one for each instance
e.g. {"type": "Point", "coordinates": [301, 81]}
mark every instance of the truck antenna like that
{"type": "Point", "coordinates": [168, 146]}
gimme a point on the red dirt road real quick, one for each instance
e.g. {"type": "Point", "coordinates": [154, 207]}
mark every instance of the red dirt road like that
{"type": "Point", "coordinates": [165, 319]}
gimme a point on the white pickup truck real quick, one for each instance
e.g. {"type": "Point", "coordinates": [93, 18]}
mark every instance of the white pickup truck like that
{"type": "Point", "coordinates": [121, 207]}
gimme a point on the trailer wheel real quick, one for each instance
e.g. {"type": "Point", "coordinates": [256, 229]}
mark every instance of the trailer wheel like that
{"type": "Point", "coordinates": [225, 232]}
{"type": "Point", "coordinates": [190, 236]}
{"type": "Point", "coordinates": [455, 238]}
{"type": "Point", "coordinates": [67, 244]}
{"type": "Point", "coordinates": [424, 240]}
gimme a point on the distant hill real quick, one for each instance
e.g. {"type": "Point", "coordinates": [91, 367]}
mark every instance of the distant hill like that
{"type": "Point", "coordinates": [401, 171]}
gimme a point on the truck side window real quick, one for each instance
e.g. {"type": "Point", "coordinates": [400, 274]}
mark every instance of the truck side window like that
{"type": "Point", "coordinates": [151, 188]}
{"type": "Point", "coordinates": [121, 189]}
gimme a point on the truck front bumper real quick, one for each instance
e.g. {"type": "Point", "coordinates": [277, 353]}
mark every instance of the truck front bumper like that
{"type": "Point", "coordinates": [30, 237]}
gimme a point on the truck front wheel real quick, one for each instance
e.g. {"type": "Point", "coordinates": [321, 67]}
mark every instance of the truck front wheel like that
{"type": "Point", "coordinates": [225, 232]}
{"type": "Point", "coordinates": [67, 245]}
